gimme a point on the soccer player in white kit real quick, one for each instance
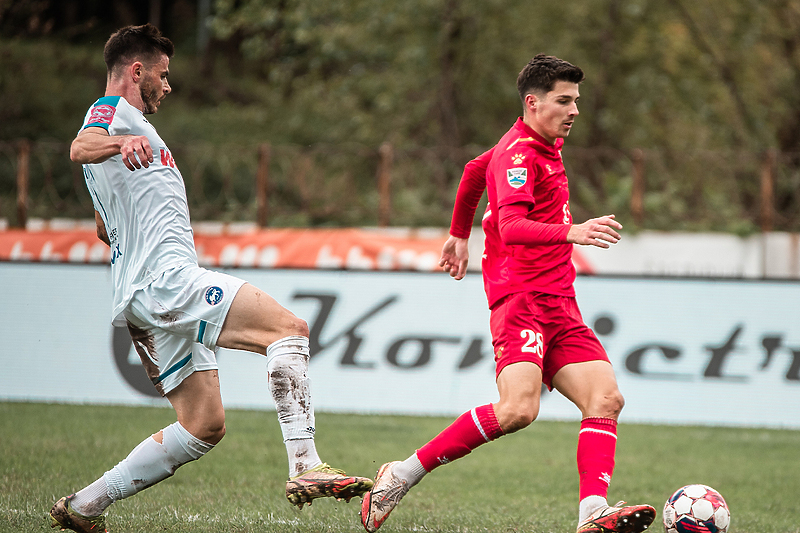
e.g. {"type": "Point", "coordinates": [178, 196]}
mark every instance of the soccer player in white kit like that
{"type": "Point", "coordinates": [177, 312]}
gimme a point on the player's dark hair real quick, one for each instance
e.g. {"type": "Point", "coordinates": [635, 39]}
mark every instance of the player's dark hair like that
{"type": "Point", "coordinates": [543, 71]}
{"type": "Point", "coordinates": [136, 43]}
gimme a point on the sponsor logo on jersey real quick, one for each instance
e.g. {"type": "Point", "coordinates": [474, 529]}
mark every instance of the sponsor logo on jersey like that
{"type": "Point", "coordinates": [214, 295]}
{"type": "Point", "coordinates": [102, 114]}
{"type": "Point", "coordinates": [517, 177]}
{"type": "Point", "coordinates": [166, 158]}
{"type": "Point", "coordinates": [517, 159]}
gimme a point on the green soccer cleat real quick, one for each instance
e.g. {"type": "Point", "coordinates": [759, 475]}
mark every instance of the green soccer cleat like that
{"type": "Point", "coordinates": [324, 481]}
{"type": "Point", "coordinates": [619, 519]}
{"type": "Point", "coordinates": [62, 515]}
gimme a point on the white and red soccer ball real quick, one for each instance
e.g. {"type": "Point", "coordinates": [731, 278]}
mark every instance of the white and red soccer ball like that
{"type": "Point", "coordinates": [696, 509]}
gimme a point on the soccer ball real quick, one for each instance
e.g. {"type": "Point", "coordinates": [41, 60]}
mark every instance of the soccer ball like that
{"type": "Point", "coordinates": [696, 509]}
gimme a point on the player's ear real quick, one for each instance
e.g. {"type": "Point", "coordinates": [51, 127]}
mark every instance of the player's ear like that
{"type": "Point", "coordinates": [530, 102]}
{"type": "Point", "coordinates": [136, 70]}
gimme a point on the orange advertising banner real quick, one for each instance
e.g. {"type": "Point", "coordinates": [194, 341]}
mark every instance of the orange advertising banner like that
{"type": "Point", "coordinates": [332, 249]}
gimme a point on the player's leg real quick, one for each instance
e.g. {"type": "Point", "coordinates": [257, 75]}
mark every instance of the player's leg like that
{"type": "Point", "coordinates": [592, 387]}
{"type": "Point", "coordinates": [519, 381]}
{"type": "Point", "coordinates": [257, 323]}
{"type": "Point", "coordinates": [519, 385]}
{"type": "Point", "coordinates": [200, 425]}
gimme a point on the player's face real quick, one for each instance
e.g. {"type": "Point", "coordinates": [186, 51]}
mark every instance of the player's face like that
{"type": "Point", "coordinates": [154, 86]}
{"type": "Point", "coordinates": [553, 113]}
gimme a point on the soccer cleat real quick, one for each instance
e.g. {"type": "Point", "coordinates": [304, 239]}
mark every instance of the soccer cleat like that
{"type": "Point", "coordinates": [619, 519]}
{"type": "Point", "coordinates": [384, 496]}
{"type": "Point", "coordinates": [62, 515]}
{"type": "Point", "coordinates": [322, 481]}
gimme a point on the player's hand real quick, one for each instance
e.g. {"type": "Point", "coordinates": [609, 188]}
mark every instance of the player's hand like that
{"type": "Point", "coordinates": [136, 151]}
{"type": "Point", "coordinates": [600, 232]}
{"type": "Point", "coordinates": [455, 256]}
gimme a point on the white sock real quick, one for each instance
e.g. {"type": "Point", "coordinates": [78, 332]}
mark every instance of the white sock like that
{"type": "Point", "coordinates": [92, 500]}
{"type": "Point", "coordinates": [151, 461]}
{"type": "Point", "coordinates": [410, 470]}
{"type": "Point", "coordinates": [589, 505]}
{"type": "Point", "coordinates": [302, 456]}
{"type": "Point", "coordinates": [287, 366]}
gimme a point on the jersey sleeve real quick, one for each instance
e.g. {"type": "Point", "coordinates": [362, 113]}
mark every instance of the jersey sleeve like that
{"type": "Point", "coordinates": [468, 196]}
{"type": "Point", "coordinates": [514, 176]}
{"type": "Point", "coordinates": [103, 113]}
{"type": "Point", "coordinates": [517, 228]}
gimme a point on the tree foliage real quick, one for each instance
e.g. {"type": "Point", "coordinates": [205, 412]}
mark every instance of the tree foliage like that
{"type": "Point", "coordinates": [677, 79]}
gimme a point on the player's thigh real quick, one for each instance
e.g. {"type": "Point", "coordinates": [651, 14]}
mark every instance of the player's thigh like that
{"type": "Point", "coordinates": [255, 320]}
{"type": "Point", "coordinates": [198, 403]}
{"type": "Point", "coordinates": [591, 386]}
{"type": "Point", "coordinates": [520, 388]}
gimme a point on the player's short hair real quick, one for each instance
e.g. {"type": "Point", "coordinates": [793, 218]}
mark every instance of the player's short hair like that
{"type": "Point", "coordinates": [543, 71]}
{"type": "Point", "coordinates": [136, 43]}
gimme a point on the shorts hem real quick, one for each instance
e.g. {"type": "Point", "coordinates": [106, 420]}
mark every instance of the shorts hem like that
{"type": "Point", "coordinates": [171, 383]}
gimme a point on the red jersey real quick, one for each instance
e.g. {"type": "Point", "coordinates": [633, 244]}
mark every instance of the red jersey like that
{"type": "Point", "coordinates": [524, 169]}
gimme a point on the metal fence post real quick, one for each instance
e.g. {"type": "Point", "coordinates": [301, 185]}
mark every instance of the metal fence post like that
{"type": "Point", "coordinates": [23, 179]}
{"type": "Point", "coordinates": [386, 153]}
{"type": "Point", "coordinates": [767, 215]}
{"type": "Point", "coordinates": [637, 188]}
{"type": "Point", "coordinates": [262, 184]}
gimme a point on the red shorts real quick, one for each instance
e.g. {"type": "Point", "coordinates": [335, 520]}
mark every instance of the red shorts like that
{"type": "Point", "coordinates": [544, 329]}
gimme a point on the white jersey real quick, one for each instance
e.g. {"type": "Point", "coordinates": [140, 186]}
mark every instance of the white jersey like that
{"type": "Point", "coordinates": [145, 211]}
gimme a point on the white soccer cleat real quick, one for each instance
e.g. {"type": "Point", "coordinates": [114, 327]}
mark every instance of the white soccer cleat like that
{"type": "Point", "coordinates": [384, 496]}
{"type": "Point", "coordinates": [619, 519]}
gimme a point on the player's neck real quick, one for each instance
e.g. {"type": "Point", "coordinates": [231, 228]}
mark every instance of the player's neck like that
{"type": "Point", "coordinates": [535, 126]}
{"type": "Point", "coordinates": [129, 92]}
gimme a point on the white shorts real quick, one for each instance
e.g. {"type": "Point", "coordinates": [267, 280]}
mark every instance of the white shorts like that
{"type": "Point", "coordinates": [176, 320]}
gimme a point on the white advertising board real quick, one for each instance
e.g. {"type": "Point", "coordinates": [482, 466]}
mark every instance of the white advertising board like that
{"type": "Point", "coordinates": [685, 351]}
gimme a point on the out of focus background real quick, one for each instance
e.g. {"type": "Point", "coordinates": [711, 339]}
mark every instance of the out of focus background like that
{"type": "Point", "coordinates": [363, 113]}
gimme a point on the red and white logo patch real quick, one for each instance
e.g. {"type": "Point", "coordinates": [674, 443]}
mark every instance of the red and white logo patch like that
{"type": "Point", "coordinates": [102, 114]}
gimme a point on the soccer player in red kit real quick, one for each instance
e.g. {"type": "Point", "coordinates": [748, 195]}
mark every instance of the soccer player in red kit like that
{"type": "Point", "coordinates": [538, 333]}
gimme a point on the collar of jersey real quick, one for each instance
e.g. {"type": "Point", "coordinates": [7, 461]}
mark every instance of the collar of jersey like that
{"type": "Point", "coordinates": [529, 137]}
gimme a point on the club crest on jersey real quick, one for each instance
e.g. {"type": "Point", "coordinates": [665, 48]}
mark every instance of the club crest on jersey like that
{"type": "Point", "coordinates": [517, 177]}
{"type": "Point", "coordinates": [102, 114]}
{"type": "Point", "coordinates": [214, 295]}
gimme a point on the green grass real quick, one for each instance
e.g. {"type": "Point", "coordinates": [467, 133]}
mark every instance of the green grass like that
{"type": "Point", "coordinates": [522, 482]}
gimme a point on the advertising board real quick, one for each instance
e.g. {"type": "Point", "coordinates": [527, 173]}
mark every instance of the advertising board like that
{"type": "Point", "coordinates": [686, 351]}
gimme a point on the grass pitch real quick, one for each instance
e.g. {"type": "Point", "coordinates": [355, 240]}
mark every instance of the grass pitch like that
{"type": "Point", "coordinates": [522, 482]}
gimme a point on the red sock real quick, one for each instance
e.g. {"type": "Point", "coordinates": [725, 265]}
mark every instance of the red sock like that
{"type": "Point", "coordinates": [469, 431]}
{"type": "Point", "coordinates": [597, 444]}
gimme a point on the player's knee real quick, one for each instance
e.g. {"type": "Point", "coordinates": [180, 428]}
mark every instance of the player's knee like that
{"type": "Point", "coordinates": [212, 432]}
{"type": "Point", "coordinates": [296, 327]}
{"type": "Point", "coordinates": [210, 428]}
{"type": "Point", "coordinates": [517, 417]}
{"type": "Point", "coordinates": [610, 405]}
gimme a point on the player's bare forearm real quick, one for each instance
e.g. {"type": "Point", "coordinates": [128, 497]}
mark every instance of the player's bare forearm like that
{"type": "Point", "coordinates": [95, 145]}
{"type": "Point", "coordinates": [455, 257]}
{"type": "Point", "coordinates": [600, 232]}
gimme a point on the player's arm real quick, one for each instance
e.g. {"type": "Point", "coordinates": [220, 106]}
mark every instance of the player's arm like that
{"type": "Point", "coordinates": [595, 232]}
{"type": "Point", "coordinates": [469, 193]}
{"type": "Point", "coordinates": [95, 145]}
{"type": "Point", "coordinates": [101, 228]}
{"type": "Point", "coordinates": [455, 252]}
{"type": "Point", "coordinates": [516, 228]}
